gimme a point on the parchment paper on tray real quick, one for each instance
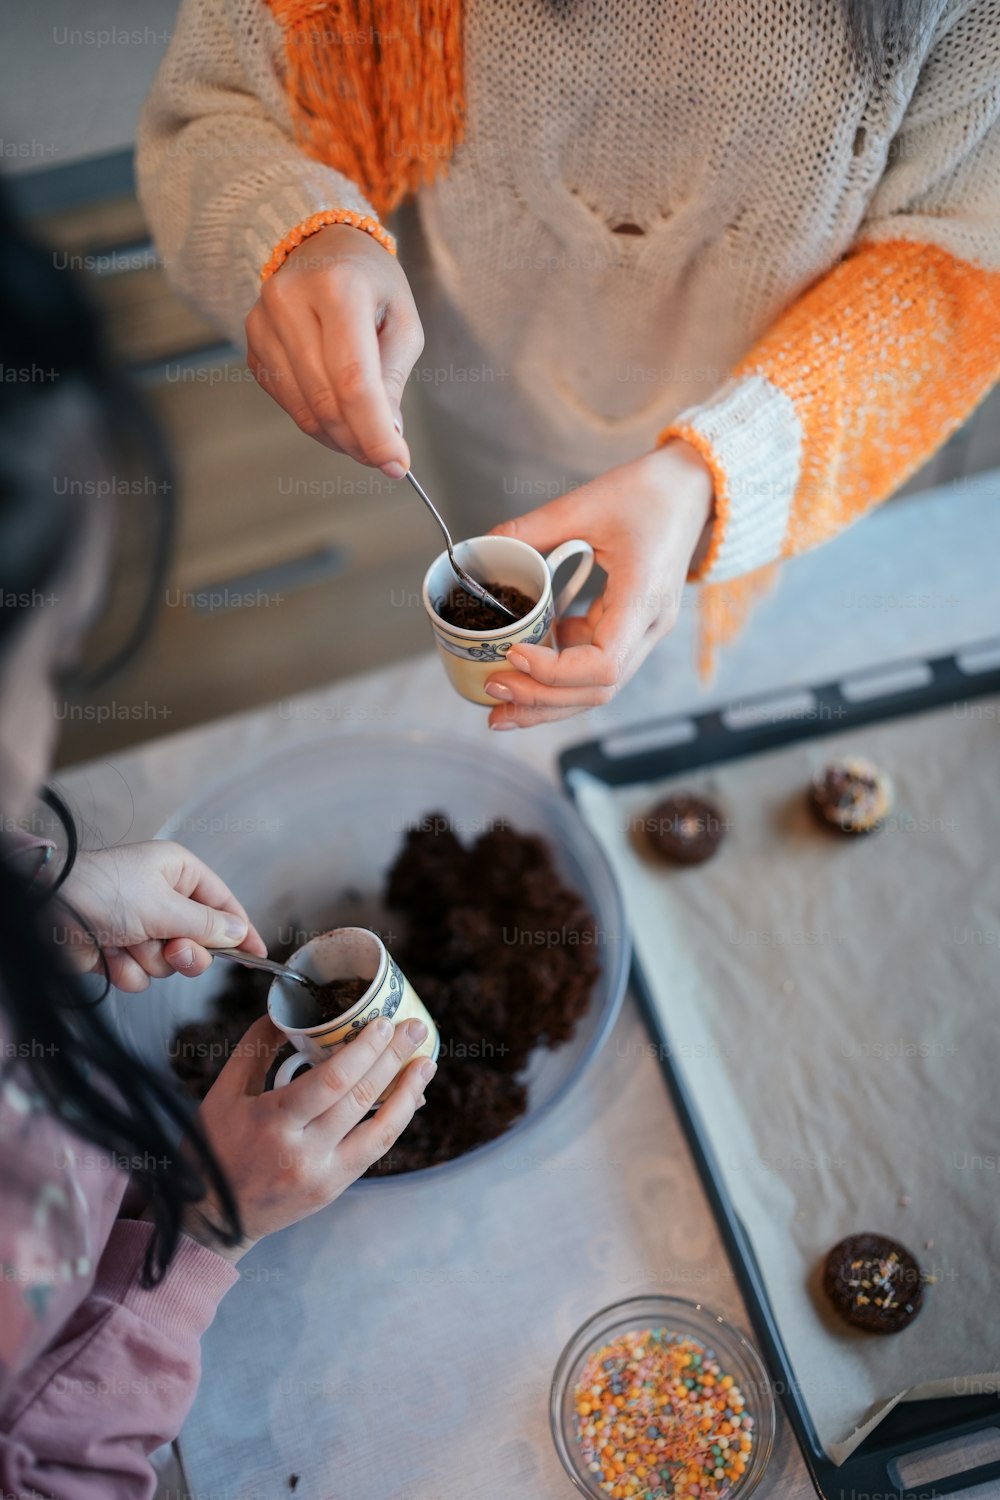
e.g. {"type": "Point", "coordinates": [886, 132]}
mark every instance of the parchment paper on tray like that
{"type": "Point", "coordinates": [833, 1003]}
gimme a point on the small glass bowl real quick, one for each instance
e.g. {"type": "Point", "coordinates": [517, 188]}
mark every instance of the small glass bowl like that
{"type": "Point", "coordinates": [736, 1356]}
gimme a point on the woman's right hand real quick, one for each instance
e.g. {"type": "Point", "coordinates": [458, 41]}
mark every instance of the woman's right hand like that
{"type": "Point", "coordinates": [288, 1152]}
{"type": "Point", "coordinates": [333, 337]}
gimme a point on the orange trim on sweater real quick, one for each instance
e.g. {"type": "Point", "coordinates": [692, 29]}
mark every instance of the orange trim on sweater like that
{"type": "Point", "coordinates": [323, 220]}
{"type": "Point", "coordinates": [376, 88]}
{"type": "Point", "coordinates": [883, 359]}
{"type": "Point", "coordinates": [720, 493]}
{"type": "Point", "coordinates": [724, 609]}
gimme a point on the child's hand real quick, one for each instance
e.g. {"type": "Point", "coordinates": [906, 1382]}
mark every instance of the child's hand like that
{"type": "Point", "coordinates": [153, 909]}
{"type": "Point", "coordinates": [646, 521]}
{"type": "Point", "coordinates": [288, 1152]}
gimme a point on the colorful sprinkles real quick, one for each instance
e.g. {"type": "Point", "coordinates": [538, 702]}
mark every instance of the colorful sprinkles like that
{"type": "Point", "coordinates": [657, 1418]}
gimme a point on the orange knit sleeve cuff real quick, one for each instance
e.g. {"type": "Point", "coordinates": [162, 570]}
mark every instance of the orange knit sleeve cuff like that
{"type": "Point", "coordinates": [853, 388]}
{"type": "Point", "coordinates": [323, 220]}
{"type": "Point", "coordinates": [849, 392]}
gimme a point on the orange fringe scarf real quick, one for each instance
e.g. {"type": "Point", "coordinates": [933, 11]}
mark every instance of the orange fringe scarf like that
{"type": "Point", "coordinates": [376, 91]}
{"type": "Point", "coordinates": [376, 88]}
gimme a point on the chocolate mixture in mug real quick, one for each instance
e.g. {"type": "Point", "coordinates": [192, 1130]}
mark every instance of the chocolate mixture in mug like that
{"type": "Point", "coordinates": [467, 613]}
{"type": "Point", "coordinates": [501, 952]}
{"type": "Point", "coordinates": [338, 995]}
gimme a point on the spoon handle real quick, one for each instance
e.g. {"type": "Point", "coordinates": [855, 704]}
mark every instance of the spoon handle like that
{"type": "Point", "coordinates": [269, 966]}
{"type": "Point", "coordinates": [468, 583]}
{"type": "Point", "coordinates": [433, 510]}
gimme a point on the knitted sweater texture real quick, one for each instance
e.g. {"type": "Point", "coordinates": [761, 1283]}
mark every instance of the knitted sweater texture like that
{"type": "Point", "coordinates": [690, 217]}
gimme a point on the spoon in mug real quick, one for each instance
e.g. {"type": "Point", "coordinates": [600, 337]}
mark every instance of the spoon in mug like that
{"type": "Point", "coordinates": [466, 580]}
{"type": "Point", "coordinates": [269, 966]}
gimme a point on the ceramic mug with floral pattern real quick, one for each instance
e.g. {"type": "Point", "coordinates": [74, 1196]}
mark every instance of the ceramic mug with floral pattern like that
{"type": "Point", "coordinates": [470, 657]}
{"type": "Point", "coordinates": [346, 952]}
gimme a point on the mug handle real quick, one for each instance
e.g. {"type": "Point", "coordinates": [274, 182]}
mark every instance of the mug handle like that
{"type": "Point", "coordinates": [573, 548]}
{"type": "Point", "coordinates": [289, 1068]}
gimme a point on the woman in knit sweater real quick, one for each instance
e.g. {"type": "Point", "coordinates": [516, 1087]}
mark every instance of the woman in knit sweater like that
{"type": "Point", "coordinates": [713, 279]}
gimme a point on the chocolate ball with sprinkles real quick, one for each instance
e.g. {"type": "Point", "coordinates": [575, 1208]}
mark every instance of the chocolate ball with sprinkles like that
{"type": "Point", "coordinates": [874, 1283]}
{"type": "Point", "coordinates": [684, 829]}
{"type": "Point", "coordinates": [852, 795]}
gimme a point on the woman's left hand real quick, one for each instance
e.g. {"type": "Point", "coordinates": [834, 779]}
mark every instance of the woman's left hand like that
{"type": "Point", "coordinates": [646, 521]}
{"type": "Point", "coordinates": [152, 909]}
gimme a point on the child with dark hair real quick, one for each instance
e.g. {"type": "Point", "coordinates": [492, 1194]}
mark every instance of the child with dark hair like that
{"type": "Point", "coordinates": [122, 1212]}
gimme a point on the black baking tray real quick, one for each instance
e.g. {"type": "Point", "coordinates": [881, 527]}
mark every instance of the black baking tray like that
{"type": "Point", "coordinates": [669, 747]}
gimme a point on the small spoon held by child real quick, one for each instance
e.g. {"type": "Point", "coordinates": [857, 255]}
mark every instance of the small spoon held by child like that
{"type": "Point", "coordinates": [269, 966]}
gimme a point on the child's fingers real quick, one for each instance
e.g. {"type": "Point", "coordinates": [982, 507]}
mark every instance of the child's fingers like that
{"type": "Point", "coordinates": [150, 958]}
{"type": "Point", "coordinates": [314, 1092]}
{"type": "Point", "coordinates": [354, 1105]}
{"type": "Point", "coordinates": [124, 972]}
{"type": "Point", "coordinates": [183, 956]}
{"type": "Point", "coordinates": [204, 888]}
{"type": "Point", "coordinates": [370, 1140]}
{"type": "Point", "coordinates": [208, 925]}
{"type": "Point", "coordinates": [248, 1063]}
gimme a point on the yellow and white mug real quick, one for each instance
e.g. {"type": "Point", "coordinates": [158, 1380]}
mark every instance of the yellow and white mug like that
{"type": "Point", "coordinates": [470, 657]}
{"type": "Point", "coordinates": [346, 952]}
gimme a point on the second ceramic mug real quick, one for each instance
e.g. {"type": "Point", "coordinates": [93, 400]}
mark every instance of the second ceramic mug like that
{"type": "Point", "coordinates": [472, 656]}
{"type": "Point", "coordinates": [346, 952]}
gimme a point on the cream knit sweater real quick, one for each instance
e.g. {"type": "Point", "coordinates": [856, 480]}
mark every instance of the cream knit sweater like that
{"type": "Point", "coordinates": [644, 189]}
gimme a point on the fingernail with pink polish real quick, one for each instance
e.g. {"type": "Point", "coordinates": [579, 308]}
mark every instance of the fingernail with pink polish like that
{"type": "Point", "coordinates": [515, 659]}
{"type": "Point", "coordinates": [499, 690]}
{"type": "Point", "coordinates": [394, 470]}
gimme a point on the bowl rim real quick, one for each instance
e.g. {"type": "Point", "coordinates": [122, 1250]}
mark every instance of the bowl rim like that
{"type": "Point", "coordinates": [518, 776]}
{"type": "Point", "coordinates": [764, 1409]}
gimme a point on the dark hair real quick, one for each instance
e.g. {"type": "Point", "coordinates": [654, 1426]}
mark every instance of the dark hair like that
{"type": "Point", "coordinates": [51, 340]}
{"type": "Point", "coordinates": [884, 33]}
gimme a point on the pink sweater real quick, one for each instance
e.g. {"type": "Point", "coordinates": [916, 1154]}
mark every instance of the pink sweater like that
{"type": "Point", "coordinates": [94, 1372]}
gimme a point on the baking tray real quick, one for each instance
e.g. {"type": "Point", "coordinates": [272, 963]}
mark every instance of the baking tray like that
{"type": "Point", "coordinates": [921, 1449]}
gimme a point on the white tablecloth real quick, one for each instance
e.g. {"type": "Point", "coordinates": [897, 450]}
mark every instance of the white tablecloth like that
{"type": "Point", "coordinates": [417, 1328]}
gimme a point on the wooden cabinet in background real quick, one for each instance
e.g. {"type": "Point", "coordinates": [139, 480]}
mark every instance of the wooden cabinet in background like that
{"type": "Point", "coordinates": [292, 565]}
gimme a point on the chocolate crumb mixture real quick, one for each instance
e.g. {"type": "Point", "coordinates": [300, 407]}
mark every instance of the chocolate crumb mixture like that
{"type": "Point", "coordinates": [503, 955]}
{"type": "Point", "coordinates": [338, 995]}
{"type": "Point", "coordinates": [467, 613]}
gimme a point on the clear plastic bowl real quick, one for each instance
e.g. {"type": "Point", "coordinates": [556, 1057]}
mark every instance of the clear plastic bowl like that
{"type": "Point", "coordinates": [306, 835]}
{"type": "Point", "coordinates": [736, 1355]}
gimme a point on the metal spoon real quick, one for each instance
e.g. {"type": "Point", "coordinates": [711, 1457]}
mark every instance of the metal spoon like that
{"type": "Point", "coordinates": [466, 580]}
{"type": "Point", "coordinates": [280, 971]}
